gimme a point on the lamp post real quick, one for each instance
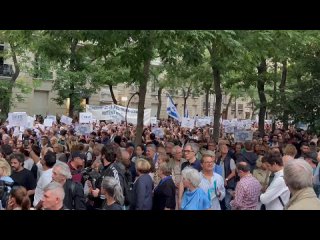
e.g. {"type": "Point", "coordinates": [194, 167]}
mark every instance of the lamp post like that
{"type": "Point", "coordinates": [136, 93]}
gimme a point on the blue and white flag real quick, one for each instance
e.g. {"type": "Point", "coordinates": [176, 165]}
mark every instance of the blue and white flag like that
{"type": "Point", "coordinates": [171, 109]}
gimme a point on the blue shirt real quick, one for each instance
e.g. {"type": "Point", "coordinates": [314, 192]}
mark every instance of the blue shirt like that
{"type": "Point", "coordinates": [195, 200]}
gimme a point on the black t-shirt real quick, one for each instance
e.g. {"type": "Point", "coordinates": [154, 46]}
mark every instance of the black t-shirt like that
{"type": "Point", "coordinates": [113, 206]}
{"type": "Point", "coordinates": [24, 178]}
{"type": "Point", "coordinates": [196, 165]}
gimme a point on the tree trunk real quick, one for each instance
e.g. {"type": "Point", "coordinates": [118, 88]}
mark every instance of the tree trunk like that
{"type": "Point", "coordinates": [228, 105]}
{"type": "Point", "coordinates": [159, 102]}
{"type": "Point", "coordinates": [5, 98]}
{"type": "Point", "coordinates": [142, 97]}
{"type": "Point", "coordinates": [282, 87]}
{"type": "Point", "coordinates": [6, 93]}
{"type": "Point", "coordinates": [262, 69]}
{"type": "Point", "coordinates": [217, 112]}
{"type": "Point", "coordinates": [185, 98]}
{"type": "Point", "coordinates": [207, 102]}
{"type": "Point", "coordinates": [274, 95]}
{"type": "Point", "coordinates": [112, 94]}
{"type": "Point", "coordinates": [72, 68]}
{"type": "Point", "coordinates": [184, 106]}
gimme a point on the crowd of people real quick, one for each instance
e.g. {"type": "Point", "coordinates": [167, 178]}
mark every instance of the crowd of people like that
{"type": "Point", "coordinates": [55, 168]}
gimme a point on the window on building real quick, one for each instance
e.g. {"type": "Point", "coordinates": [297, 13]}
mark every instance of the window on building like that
{"type": "Point", "coordinates": [240, 107]}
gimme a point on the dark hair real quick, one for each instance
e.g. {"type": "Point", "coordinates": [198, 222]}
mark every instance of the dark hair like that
{"type": "Point", "coordinates": [109, 152]}
{"type": "Point", "coordinates": [63, 132]}
{"type": "Point", "coordinates": [152, 136]}
{"type": "Point", "coordinates": [248, 145]}
{"type": "Point", "coordinates": [243, 166]}
{"type": "Point", "coordinates": [36, 149]}
{"type": "Point", "coordinates": [6, 150]}
{"type": "Point", "coordinates": [142, 147]}
{"type": "Point", "coordinates": [50, 159]}
{"type": "Point", "coordinates": [19, 193]}
{"type": "Point", "coordinates": [4, 129]}
{"type": "Point", "coordinates": [18, 156]}
{"type": "Point", "coordinates": [117, 139]}
{"type": "Point", "coordinates": [273, 158]}
{"type": "Point", "coordinates": [305, 144]}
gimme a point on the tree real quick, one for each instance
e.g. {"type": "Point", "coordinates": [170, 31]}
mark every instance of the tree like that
{"type": "Point", "coordinates": [184, 78]}
{"type": "Point", "coordinates": [19, 45]}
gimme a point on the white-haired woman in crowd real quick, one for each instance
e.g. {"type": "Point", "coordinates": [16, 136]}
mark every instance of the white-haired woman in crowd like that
{"type": "Point", "coordinates": [113, 193]}
{"type": "Point", "coordinates": [194, 198]}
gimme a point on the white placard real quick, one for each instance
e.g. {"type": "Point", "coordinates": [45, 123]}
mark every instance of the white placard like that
{"type": "Point", "coordinates": [30, 122]}
{"type": "Point", "coordinates": [158, 132]}
{"type": "Point", "coordinates": [54, 118]}
{"type": "Point", "coordinates": [113, 112]}
{"type": "Point", "coordinates": [229, 129]}
{"type": "Point", "coordinates": [48, 122]}
{"type": "Point", "coordinates": [187, 122]}
{"type": "Point", "coordinates": [85, 117]}
{"type": "Point", "coordinates": [84, 129]}
{"type": "Point", "coordinates": [66, 120]}
{"type": "Point", "coordinates": [202, 122]}
{"type": "Point", "coordinates": [19, 119]}
{"type": "Point", "coordinates": [242, 136]}
{"type": "Point", "coordinates": [153, 121]}
{"type": "Point", "coordinates": [16, 132]}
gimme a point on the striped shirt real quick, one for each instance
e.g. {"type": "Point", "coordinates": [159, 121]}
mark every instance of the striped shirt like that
{"type": "Point", "coordinates": [247, 194]}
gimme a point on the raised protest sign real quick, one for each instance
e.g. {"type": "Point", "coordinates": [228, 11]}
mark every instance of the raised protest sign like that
{"type": "Point", "coordinates": [116, 113]}
{"type": "Point", "coordinates": [54, 119]}
{"type": "Point", "coordinates": [85, 117]}
{"type": "Point", "coordinates": [187, 122]}
{"type": "Point", "coordinates": [19, 119]}
{"type": "Point", "coordinates": [48, 122]}
{"type": "Point", "coordinates": [242, 136]}
{"type": "Point", "coordinates": [66, 120]}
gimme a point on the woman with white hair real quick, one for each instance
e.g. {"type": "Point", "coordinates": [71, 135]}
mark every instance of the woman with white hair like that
{"type": "Point", "coordinates": [194, 198]}
{"type": "Point", "coordinates": [113, 193]}
{"type": "Point", "coordinates": [299, 179]}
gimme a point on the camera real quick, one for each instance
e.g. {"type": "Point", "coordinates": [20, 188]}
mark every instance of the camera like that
{"type": "Point", "coordinates": [90, 175]}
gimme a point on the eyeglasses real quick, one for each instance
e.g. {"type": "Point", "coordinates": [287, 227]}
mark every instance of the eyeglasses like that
{"type": "Point", "coordinates": [208, 162]}
{"type": "Point", "coordinates": [187, 151]}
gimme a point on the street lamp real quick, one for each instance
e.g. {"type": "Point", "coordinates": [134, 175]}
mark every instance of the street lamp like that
{"type": "Point", "coordinates": [136, 93]}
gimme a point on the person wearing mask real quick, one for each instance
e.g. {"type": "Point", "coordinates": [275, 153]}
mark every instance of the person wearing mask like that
{"type": "Point", "coordinates": [113, 194]}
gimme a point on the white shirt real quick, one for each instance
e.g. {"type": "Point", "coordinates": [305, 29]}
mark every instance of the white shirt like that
{"type": "Point", "coordinates": [277, 188]}
{"type": "Point", "coordinates": [216, 184]}
{"type": "Point", "coordinates": [44, 180]}
{"type": "Point", "coordinates": [28, 163]}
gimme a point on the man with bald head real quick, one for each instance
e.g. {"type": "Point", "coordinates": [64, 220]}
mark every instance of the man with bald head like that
{"type": "Point", "coordinates": [247, 190]}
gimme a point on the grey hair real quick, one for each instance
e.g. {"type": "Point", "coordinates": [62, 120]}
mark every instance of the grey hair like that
{"type": "Point", "coordinates": [113, 188]}
{"type": "Point", "coordinates": [192, 175]}
{"type": "Point", "coordinates": [56, 188]}
{"type": "Point", "coordinates": [154, 148]}
{"type": "Point", "coordinates": [194, 147]}
{"type": "Point", "coordinates": [64, 169]}
{"type": "Point", "coordinates": [175, 148]}
{"type": "Point", "coordinates": [298, 174]}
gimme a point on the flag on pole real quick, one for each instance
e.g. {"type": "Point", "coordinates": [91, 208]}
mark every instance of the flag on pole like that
{"type": "Point", "coordinates": [171, 109]}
